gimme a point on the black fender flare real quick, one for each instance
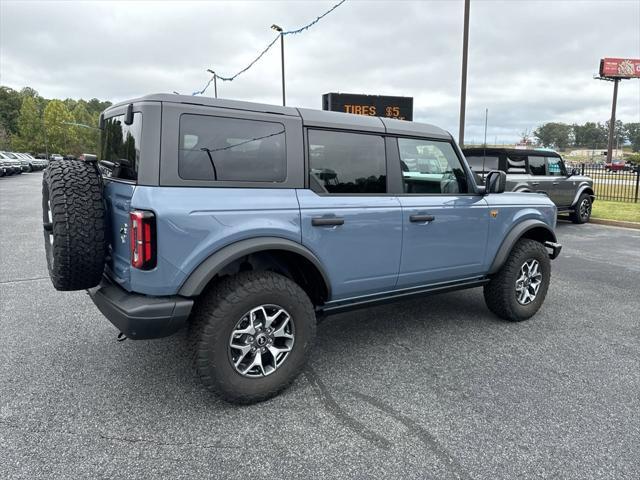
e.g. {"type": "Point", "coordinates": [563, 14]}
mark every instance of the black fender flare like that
{"type": "Point", "coordinates": [202, 275]}
{"type": "Point", "coordinates": [515, 234]}
{"type": "Point", "coordinates": [583, 189]}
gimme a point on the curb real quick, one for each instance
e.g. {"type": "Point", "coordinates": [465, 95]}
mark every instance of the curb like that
{"type": "Point", "coordinates": [615, 223]}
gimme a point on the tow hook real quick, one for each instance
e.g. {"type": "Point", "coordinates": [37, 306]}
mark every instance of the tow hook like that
{"type": "Point", "coordinates": [555, 249]}
{"type": "Point", "coordinates": [121, 337]}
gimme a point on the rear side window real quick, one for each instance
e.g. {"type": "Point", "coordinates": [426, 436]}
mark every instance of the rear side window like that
{"type": "Point", "coordinates": [480, 163]}
{"type": "Point", "coordinates": [231, 149]}
{"type": "Point", "coordinates": [536, 165]}
{"type": "Point", "coordinates": [431, 167]}
{"type": "Point", "coordinates": [120, 144]}
{"type": "Point", "coordinates": [342, 162]}
{"type": "Point", "coordinates": [516, 163]}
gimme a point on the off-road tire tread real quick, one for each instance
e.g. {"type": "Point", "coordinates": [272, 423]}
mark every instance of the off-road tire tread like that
{"type": "Point", "coordinates": [212, 310]}
{"type": "Point", "coordinates": [74, 189]}
{"type": "Point", "coordinates": [575, 214]}
{"type": "Point", "coordinates": [499, 292]}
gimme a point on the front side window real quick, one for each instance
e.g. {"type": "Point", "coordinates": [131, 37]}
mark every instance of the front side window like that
{"type": "Point", "coordinates": [536, 165]}
{"type": "Point", "coordinates": [431, 166]}
{"type": "Point", "coordinates": [555, 166]}
{"type": "Point", "coordinates": [342, 162]}
{"type": "Point", "coordinates": [120, 145]}
{"type": "Point", "coordinates": [231, 149]}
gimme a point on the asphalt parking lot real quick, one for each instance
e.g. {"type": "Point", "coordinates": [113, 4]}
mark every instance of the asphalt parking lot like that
{"type": "Point", "coordinates": [430, 388]}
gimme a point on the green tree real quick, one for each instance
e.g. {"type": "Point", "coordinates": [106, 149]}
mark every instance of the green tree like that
{"type": "Point", "coordinates": [590, 135]}
{"type": "Point", "coordinates": [60, 135]}
{"type": "Point", "coordinates": [10, 103]}
{"type": "Point", "coordinates": [619, 133]}
{"type": "Point", "coordinates": [29, 92]}
{"type": "Point", "coordinates": [554, 134]}
{"type": "Point", "coordinates": [30, 135]}
{"type": "Point", "coordinates": [86, 131]}
{"type": "Point", "coordinates": [5, 139]}
{"type": "Point", "coordinates": [633, 135]}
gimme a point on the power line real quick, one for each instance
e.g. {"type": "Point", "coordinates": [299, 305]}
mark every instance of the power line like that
{"type": "Point", "coordinates": [306, 27]}
{"type": "Point", "coordinates": [288, 32]}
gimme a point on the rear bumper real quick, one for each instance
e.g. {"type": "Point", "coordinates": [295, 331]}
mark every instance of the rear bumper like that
{"type": "Point", "coordinates": [140, 317]}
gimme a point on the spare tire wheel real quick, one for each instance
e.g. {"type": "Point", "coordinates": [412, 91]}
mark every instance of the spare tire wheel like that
{"type": "Point", "coordinates": [73, 216]}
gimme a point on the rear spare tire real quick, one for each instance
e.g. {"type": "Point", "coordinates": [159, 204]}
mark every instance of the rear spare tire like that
{"type": "Point", "coordinates": [73, 217]}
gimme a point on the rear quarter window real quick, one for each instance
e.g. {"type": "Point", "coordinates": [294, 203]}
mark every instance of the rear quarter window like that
{"type": "Point", "coordinates": [480, 163]}
{"type": "Point", "coordinates": [231, 149]}
{"type": "Point", "coordinates": [120, 145]}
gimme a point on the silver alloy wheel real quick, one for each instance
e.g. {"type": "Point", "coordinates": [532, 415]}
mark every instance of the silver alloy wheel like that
{"type": "Point", "coordinates": [261, 341]}
{"type": "Point", "coordinates": [529, 281]}
{"type": "Point", "coordinates": [585, 209]}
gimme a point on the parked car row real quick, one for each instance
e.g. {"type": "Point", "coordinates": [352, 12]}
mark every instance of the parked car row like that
{"type": "Point", "coordinates": [14, 163]}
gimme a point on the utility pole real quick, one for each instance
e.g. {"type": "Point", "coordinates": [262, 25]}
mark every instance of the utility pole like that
{"type": "Point", "coordinates": [612, 122]}
{"type": "Point", "coordinates": [279, 29]}
{"type": "Point", "coordinates": [463, 89]}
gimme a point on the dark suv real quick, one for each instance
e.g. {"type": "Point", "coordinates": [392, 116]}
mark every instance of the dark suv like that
{"type": "Point", "coordinates": [249, 222]}
{"type": "Point", "coordinates": [541, 171]}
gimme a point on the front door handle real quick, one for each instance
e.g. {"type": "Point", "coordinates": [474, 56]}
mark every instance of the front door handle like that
{"type": "Point", "coordinates": [326, 221]}
{"type": "Point", "coordinates": [556, 183]}
{"type": "Point", "coordinates": [422, 218]}
{"type": "Point", "coordinates": [535, 183]}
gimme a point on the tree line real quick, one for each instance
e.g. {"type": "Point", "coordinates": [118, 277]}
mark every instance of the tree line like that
{"type": "Point", "coordinates": [590, 135]}
{"type": "Point", "coordinates": [31, 123]}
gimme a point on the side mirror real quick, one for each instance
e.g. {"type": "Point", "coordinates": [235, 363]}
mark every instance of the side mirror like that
{"type": "Point", "coordinates": [496, 181]}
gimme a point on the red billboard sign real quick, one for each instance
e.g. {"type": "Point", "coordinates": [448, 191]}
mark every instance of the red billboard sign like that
{"type": "Point", "coordinates": [620, 68]}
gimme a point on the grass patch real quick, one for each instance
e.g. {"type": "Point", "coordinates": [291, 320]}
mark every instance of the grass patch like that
{"type": "Point", "coordinates": [628, 212]}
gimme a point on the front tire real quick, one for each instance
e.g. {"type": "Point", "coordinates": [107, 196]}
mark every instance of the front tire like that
{"type": "Point", "coordinates": [519, 288]}
{"type": "Point", "coordinates": [582, 211]}
{"type": "Point", "coordinates": [251, 335]}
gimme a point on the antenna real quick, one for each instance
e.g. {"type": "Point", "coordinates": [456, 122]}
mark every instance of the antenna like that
{"type": "Point", "coordinates": [484, 152]}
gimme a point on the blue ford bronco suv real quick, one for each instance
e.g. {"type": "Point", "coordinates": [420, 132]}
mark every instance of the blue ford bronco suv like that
{"type": "Point", "coordinates": [246, 223]}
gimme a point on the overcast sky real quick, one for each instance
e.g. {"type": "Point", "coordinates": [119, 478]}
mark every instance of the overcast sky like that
{"type": "Point", "coordinates": [529, 61]}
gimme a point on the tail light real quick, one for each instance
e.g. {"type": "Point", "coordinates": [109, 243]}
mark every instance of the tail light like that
{"type": "Point", "coordinates": [143, 239]}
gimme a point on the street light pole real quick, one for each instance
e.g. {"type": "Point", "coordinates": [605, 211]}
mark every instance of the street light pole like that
{"type": "Point", "coordinates": [215, 82]}
{"type": "Point", "coordinates": [463, 88]}
{"type": "Point", "coordinates": [279, 29]}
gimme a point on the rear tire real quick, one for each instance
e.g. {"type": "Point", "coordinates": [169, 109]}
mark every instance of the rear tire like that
{"type": "Point", "coordinates": [582, 212]}
{"type": "Point", "coordinates": [73, 217]}
{"type": "Point", "coordinates": [228, 309]}
{"type": "Point", "coordinates": [505, 294]}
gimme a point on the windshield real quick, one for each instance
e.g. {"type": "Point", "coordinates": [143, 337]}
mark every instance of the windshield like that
{"type": "Point", "coordinates": [9, 155]}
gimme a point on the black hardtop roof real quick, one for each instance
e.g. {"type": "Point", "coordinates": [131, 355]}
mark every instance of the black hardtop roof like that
{"type": "Point", "coordinates": [310, 117]}
{"type": "Point", "coordinates": [517, 151]}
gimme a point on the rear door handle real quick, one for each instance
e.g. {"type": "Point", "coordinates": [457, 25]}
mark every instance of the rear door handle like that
{"type": "Point", "coordinates": [535, 183]}
{"type": "Point", "coordinates": [556, 183]}
{"type": "Point", "coordinates": [422, 218]}
{"type": "Point", "coordinates": [326, 221]}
